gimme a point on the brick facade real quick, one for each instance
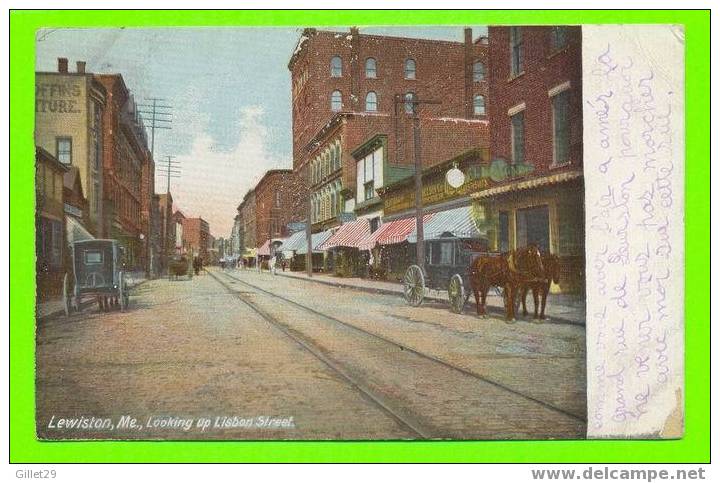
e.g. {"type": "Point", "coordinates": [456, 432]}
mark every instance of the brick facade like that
{"type": "Point", "coordinates": [246, 210]}
{"type": "Point", "coordinates": [278, 201]}
{"type": "Point", "coordinates": [196, 234]}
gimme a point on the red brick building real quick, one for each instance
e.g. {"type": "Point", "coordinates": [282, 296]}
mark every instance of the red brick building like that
{"type": "Point", "coordinates": [167, 228]}
{"type": "Point", "coordinates": [278, 201]}
{"type": "Point", "coordinates": [196, 235]}
{"type": "Point", "coordinates": [535, 83]}
{"type": "Point", "coordinates": [128, 172]}
{"type": "Point", "coordinates": [348, 92]}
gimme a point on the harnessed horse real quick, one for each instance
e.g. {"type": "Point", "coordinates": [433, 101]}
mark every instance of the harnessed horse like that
{"type": "Point", "coordinates": [541, 287]}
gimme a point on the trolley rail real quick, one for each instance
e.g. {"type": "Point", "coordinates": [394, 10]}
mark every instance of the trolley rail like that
{"type": "Point", "coordinates": [386, 340]}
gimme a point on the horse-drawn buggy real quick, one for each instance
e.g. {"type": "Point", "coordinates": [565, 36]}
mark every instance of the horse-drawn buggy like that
{"type": "Point", "coordinates": [180, 266]}
{"type": "Point", "coordinates": [464, 267]}
{"type": "Point", "coordinates": [97, 271]}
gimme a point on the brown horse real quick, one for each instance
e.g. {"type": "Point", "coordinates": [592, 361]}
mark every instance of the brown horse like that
{"type": "Point", "coordinates": [508, 271]}
{"type": "Point", "coordinates": [541, 287]}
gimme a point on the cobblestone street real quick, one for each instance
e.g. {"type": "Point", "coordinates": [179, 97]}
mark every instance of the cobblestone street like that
{"type": "Point", "coordinates": [246, 355]}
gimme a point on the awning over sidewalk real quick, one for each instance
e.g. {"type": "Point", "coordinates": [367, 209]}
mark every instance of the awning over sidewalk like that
{"type": "Point", "coordinates": [391, 232]}
{"type": "Point", "coordinates": [297, 243]}
{"type": "Point", "coordinates": [249, 253]}
{"type": "Point", "coordinates": [348, 235]}
{"type": "Point", "coordinates": [75, 230]}
{"type": "Point", "coordinates": [457, 222]}
{"type": "Point", "coordinates": [264, 251]}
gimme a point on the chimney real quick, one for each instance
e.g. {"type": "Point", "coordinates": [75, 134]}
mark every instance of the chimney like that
{"type": "Point", "coordinates": [468, 36]}
{"type": "Point", "coordinates": [80, 66]}
{"type": "Point", "coordinates": [62, 65]}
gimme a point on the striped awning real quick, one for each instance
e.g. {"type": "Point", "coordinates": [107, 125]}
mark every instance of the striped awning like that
{"type": "Point", "coordinates": [457, 222]}
{"type": "Point", "coordinates": [349, 235]}
{"type": "Point", "coordinates": [392, 232]}
{"type": "Point", "coordinates": [295, 241]}
{"type": "Point", "coordinates": [264, 251]}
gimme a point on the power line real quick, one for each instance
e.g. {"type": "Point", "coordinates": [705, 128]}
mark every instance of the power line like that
{"type": "Point", "coordinates": [160, 117]}
{"type": "Point", "coordinates": [172, 169]}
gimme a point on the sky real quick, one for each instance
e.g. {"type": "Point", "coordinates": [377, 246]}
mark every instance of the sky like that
{"type": "Point", "coordinates": [230, 92]}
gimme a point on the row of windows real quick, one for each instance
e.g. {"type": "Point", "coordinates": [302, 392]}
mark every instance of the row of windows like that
{"type": "Point", "coordinates": [410, 68]}
{"type": "Point", "coordinates": [560, 129]}
{"type": "Point", "coordinates": [326, 203]}
{"type": "Point", "coordinates": [372, 104]}
{"type": "Point", "coordinates": [558, 40]}
{"type": "Point", "coordinates": [326, 163]}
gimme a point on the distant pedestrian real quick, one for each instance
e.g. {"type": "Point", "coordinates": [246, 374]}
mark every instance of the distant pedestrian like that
{"type": "Point", "coordinates": [273, 264]}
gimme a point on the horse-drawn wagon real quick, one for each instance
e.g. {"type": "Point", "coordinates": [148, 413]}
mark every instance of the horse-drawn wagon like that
{"type": "Point", "coordinates": [180, 266]}
{"type": "Point", "coordinates": [97, 271]}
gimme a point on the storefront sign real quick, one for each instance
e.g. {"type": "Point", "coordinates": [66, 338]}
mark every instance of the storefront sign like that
{"type": "Point", "coordinates": [57, 97]}
{"type": "Point", "coordinates": [434, 191]}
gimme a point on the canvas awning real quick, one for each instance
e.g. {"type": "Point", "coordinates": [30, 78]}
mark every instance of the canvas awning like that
{"type": "Point", "coordinates": [75, 230]}
{"type": "Point", "coordinates": [297, 243]}
{"type": "Point", "coordinates": [392, 232]}
{"type": "Point", "coordinates": [264, 251]}
{"type": "Point", "coordinates": [349, 235]}
{"type": "Point", "coordinates": [457, 222]}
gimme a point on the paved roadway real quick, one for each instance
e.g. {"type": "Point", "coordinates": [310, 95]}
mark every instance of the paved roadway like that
{"type": "Point", "coordinates": [244, 355]}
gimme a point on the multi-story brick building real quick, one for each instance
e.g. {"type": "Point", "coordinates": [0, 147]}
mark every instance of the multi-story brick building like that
{"type": "Point", "coordinates": [69, 124]}
{"type": "Point", "coordinates": [196, 234]}
{"type": "Point", "coordinates": [535, 76]}
{"type": "Point", "coordinates": [128, 172]}
{"type": "Point", "coordinates": [248, 219]}
{"type": "Point", "coordinates": [279, 200]}
{"type": "Point", "coordinates": [167, 229]}
{"type": "Point", "coordinates": [349, 94]}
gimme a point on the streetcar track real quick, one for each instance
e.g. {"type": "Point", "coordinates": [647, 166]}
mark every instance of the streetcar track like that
{"type": "Point", "coordinates": [417, 352]}
{"type": "Point", "coordinates": [412, 426]}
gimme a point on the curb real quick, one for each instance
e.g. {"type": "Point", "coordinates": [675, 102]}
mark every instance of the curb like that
{"type": "Point", "coordinates": [83, 306]}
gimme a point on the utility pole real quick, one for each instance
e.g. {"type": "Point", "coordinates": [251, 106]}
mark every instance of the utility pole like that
{"type": "Point", "coordinates": [171, 169]}
{"type": "Point", "coordinates": [414, 102]}
{"type": "Point", "coordinates": [159, 117]}
{"type": "Point", "coordinates": [308, 225]}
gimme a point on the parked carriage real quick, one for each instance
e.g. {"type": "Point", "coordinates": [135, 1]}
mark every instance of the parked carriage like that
{"type": "Point", "coordinates": [447, 259]}
{"type": "Point", "coordinates": [97, 271]}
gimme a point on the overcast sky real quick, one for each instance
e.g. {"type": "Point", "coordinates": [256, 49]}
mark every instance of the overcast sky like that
{"type": "Point", "coordinates": [230, 88]}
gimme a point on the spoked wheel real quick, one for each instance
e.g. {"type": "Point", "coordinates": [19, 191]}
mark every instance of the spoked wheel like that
{"type": "Point", "coordinates": [456, 294]}
{"type": "Point", "coordinates": [414, 285]}
{"type": "Point", "coordinates": [123, 297]}
{"type": "Point", "coordinates": [67, 295]}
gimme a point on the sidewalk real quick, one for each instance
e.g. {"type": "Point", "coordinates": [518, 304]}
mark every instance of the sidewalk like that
{"type": "Point", "coordinates": [55, 307]}
{"type": "Point", "coordinates": [561, 308]}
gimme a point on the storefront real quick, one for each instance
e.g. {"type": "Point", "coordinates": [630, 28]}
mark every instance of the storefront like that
{"type": "Point", "coordinates": [547, 211]}
{"type": "Point", "coordinates": [343, 256]}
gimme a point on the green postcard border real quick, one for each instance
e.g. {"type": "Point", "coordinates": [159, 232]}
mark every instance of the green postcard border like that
{"type": "Point", "coordinates": [25, 448]}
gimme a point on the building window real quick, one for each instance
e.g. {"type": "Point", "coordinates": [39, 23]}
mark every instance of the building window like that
{"type": "Point", "coordinates": [371, 103]}
{"type": "Point", "coordinates": [558, 38]}
{"type": "Point", "coordinates": [338, 157]}
{"type": "Point", "coordinates": [336, 101]}
{"type": "Point", "coordinates": [516, 51]}
{"type": "Point", "coordinates": [333, 202]}
{"type": "Point", "coordinates": [517, 123]}
{"type": "Point", "coordinates": [371, 68]}
{"type": "Point", "coordinates": [410, 104]}
{"type": "Point", "coordinates": [63, 150]}
{"type": "Point", "coordinates": [336, 66]}
{"type": "Point", "coordinates": [533, 227]}
{"type": "Point", "coordinates": [409, 69]}
{"type": "Point", "coordinates": [369, 190]}
{"type": "Point", "coordinates": [478, 71]}
{"type": "Point", "coordinates": [374, 224]}
{"type": "Point", "coordinates": [440, 253]}
{"type": "Point", "coordinates": [277, 199]}
{"type": "Point", "coordinates": [479, 105]}
{"type": "Point", "coordinates": [561, 138]}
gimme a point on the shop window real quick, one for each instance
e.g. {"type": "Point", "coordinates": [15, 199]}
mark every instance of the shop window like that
{"type": "Point", "coordinates": [336, 66]}
{"type": "Point", "coordinates": [410, 69]}
{"type": "Point", "coordinates": [63, 150]}
{"type": "Point", "coordinates": [561, 128]}
{"type": "Point", "coordinates": [516, 51]}
{"type": "Point", "coordinates": [517, 123]}
{"type": "Point", "coordinates": [533, 227]}
{"type": "Point", "coordinates": [371, 68]}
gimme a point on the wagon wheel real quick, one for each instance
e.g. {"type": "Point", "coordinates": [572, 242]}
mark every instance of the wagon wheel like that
{"type": "Point", "coordinates": [123, 296]}
{"type": "Point", "coordinates": [67, 295]}
{"type": "Point", "coordinates": [414, 285]}
{"type": "Point", "coordinates": [456, 294]}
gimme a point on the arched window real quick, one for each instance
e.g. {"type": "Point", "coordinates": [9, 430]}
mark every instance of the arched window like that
{"type": "Point", "coordinates": [371, 104]}
{"type": "Point", "coordinates": [336, 66]}
{"type": "Point", "coordinates": [336, 101]}
{"type": "Point", "coordinates": [409, 69]}
{"type": "Point", "coordinates": [478, 71]}
{"type": "Point", "coordinates": [371, 68]}
{"type": "Point", "coordinates": [333, 202]}
{"type": "Point", "coordinates": [479, 105]}
{"type": "Point", "coordinates": [410, 106]}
